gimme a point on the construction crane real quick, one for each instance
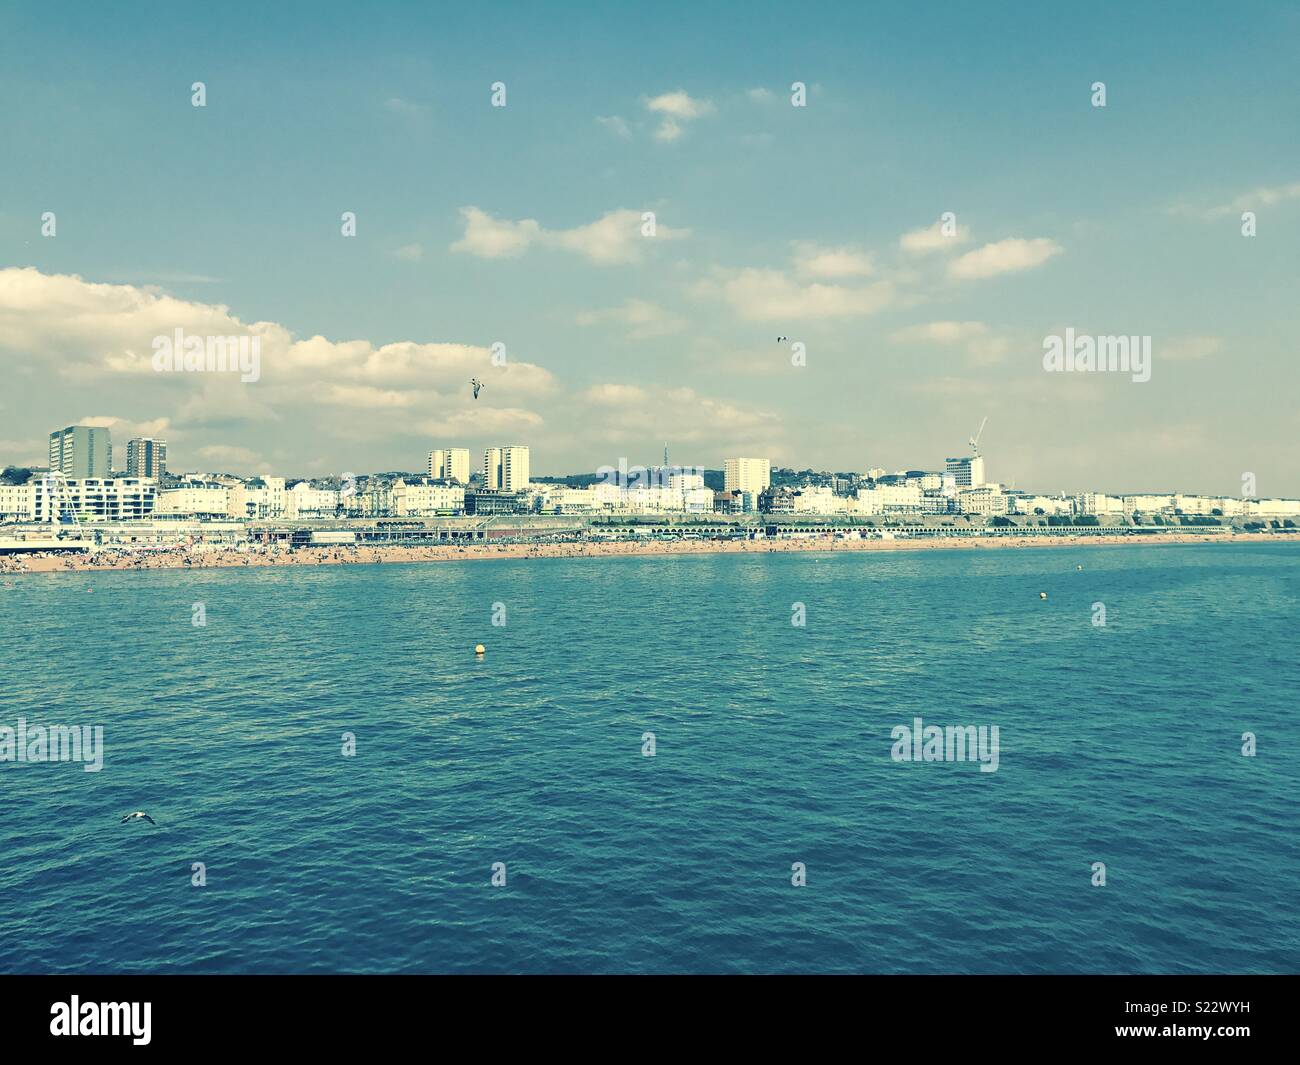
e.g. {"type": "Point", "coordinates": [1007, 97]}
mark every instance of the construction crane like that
{"type": "Point", "coordinates": [975, 440]}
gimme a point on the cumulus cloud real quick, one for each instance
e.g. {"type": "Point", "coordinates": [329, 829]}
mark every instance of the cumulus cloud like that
{"type": "Point", "coordinates": [320, 405]}
{"type": "Point", "coordinates": [933, 238]}
{"type": "Point", "coordinates": [493, 238]}
{"type": "Point", "coordinates": [614, 238]}
{"type": "Point", "coordinates": [1003, 257]}
{"type": "Point", "coordinates": [811, 260]}
{"type": "Point", "coordinates": [100, 338]}
{"type": "Point", "coordinates": [774, 296]}
{"type": "Point", "coordinates": [675, 109]}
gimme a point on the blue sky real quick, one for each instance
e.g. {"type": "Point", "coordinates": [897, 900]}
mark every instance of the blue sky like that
{"type": "Point", "coordinates": [521, 225]}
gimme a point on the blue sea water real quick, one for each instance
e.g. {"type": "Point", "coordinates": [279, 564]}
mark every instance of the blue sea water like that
{"type": "Point", "coordinates": [1119, 744]}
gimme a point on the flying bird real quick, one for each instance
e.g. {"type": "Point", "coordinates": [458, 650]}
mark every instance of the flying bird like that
{"type": "Point", "coordinates": [139, 815]}
{"type": "Point", "coordinates": [476, 384]}
{"type": "Point", "coordinates": [779, 339]}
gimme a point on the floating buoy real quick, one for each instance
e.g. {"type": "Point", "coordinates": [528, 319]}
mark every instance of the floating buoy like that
{"type": "Point", "coordinates": [480, 650]}
{"type": "Point", "coordinates": [1042, 595]}
{"type": "Point", "coordinates": [1078, 567]}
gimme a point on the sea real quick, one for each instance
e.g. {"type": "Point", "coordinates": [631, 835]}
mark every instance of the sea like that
{"type": "Point", "coordinates": [672, 764]}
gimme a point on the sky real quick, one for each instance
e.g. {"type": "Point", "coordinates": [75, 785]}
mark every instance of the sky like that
{"type": "Point", "coordinates": [522, 226]}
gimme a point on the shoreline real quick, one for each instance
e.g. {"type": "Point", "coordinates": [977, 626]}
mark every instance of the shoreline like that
{"type": "Point", "coordinates": [278, 556]}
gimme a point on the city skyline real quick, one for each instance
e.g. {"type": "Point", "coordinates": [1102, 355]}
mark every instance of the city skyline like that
{"type": "Point", "coordinates": [821, 225]}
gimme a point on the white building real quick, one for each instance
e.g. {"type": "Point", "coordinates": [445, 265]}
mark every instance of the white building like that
{"type": "Point", "coordinates": [258, 499]}
{"type": "Point", "coordinates": [304, 501]}
{"type": "Point", "coordinates": [746, 475]}
{"type": "Point", "coordinates": [887, 498]}
{"type": "Point", "coordinates": [987, 500]}
{"type": "Point", "coordinates": [95, 499]}
{"type": "Point", "coordinates": [1027, 504]}
{"type": "Point", "coordinates": [1148, 504]}
{"type": "Point", "coordinates": [194, 502]}
{"type": "Point", "coordinates": [450, 464]}
{"type": "Point", "coordinates": [967, 472]}
{"type": "Point", "coordinates": [1100, 503]}
{"type": "Point", "coordinates": [506, 468]}
{"type": "Point", "coordinates": [426, 500]}
{"type": "Point", "coordinates": [18, 502]}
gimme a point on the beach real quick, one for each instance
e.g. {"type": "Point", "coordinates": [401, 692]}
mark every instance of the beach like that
{"type": "Point", "coordinates": [202, 557]}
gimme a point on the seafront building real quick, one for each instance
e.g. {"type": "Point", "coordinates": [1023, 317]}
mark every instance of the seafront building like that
{"type": "Point", "coordinates": [450, 464]}
{"type": "Point", "coordinates": [967, 471]}
{"type": "Point", "coordinates": [959, 494]}
{"type": "Point", "coordinates": [746, 475]}
{"type": "Point", "coordinates": [505, 469]}
{"type": "Point", "coordinates": [146, 457]}
{"type": "Point", "coordinates": [82, 451]}
{"type": "Point", "coordinates": [427, 498]}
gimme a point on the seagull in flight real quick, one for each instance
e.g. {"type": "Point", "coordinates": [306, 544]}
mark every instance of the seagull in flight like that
{"type": "Point", "coordinates": [476, 384]}
{"type": "Point", "coordinates": [139, 815]}
{"type": "Point", "coordinates": [779, 339]}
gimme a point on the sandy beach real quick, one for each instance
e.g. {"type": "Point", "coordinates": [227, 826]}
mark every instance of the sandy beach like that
{"type": "Point", "coordinates": [198, 557]}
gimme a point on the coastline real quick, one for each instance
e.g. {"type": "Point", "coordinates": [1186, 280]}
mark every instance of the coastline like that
{"type": "Point", "coordinates": [223, 558]}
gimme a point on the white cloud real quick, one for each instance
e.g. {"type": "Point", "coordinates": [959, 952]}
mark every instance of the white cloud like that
{"type": "Point", "coordinates": [643, 320]}
{"type": "Point", "coordinates": [761, 95]}
{"type": "Point", "coordinates": [679, 105]}
{"type": "Point", "coordinates": [412, 253]}
{"type": "Point", "coordinates": [1003, 257]}
{"type": "Point", "coordinates": [323, 405]}
{"type": "Point", "coordinates": [613, 238]}
{"type": "Point", "coordinates": [492, 238]}
{"type": "Point", "coordinates": [676, 108]}
{"type": "Point", "coordinates": [811, 260]}
{"type": "Point", "coordinates": [773, 296]}
{"type": "Point", "coordinates": [1265, 196]}
{"type": "Point", "coordinates": [932, 238]}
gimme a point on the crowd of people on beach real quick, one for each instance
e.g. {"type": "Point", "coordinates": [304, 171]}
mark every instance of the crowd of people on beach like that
{"type": "Point", "coordinates": [253, 553]}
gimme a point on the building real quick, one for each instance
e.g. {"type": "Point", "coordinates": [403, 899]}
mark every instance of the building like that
{"type": "Point", "coordinates": [967, 472]}
{"type": "Point", "coordinates": [450, 464]}
{"type": "Point", "coordinates": [747, 475]}
{"type": "Point", "coordinates": [18, 501]}
{"type": "Point", "coordinates": [505, 469]}
{"type": "Point", "coordinates": [493, 501]}
{"type": "Point", "coordinates": [146, 457]}
{"type": "Point", "coordinates": [81, 452]}
{"type": "Point", "coordinates": [95, 499]}
{"type": "Point", "coordinates": [258, 499]}
{"type": "Point", "coordinates": [987, 500]}
{"type": "Point", "coordinates": [305, 501]}
{"type": "Point", "coordinates": [193, 501]}
{"type": "Point", "coordinates": [425, 499]}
